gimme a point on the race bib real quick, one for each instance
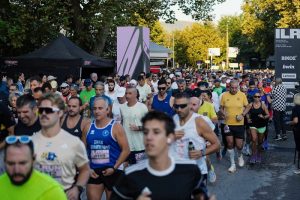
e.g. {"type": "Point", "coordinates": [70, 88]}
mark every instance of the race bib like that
{"type": "Point", "coordinates": [100, 156]}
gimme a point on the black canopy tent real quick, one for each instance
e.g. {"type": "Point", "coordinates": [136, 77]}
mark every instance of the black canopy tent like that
{"type": "Point", "coordinates": [59, 58]}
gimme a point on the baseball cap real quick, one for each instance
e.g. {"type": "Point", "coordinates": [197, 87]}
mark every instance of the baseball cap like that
{"type": "Point", "coordinates": [50, 78]}
{"type": "Point", "coordinates": [133, 82]}
{"type": "Point", "coordinates": [64, 84]}
{"type": "Point", "coordinates": [217, 80]}
{"type": "Point", "coordinates": [121, 92]}
{"type": "Point", "coordinates": [87, 82]}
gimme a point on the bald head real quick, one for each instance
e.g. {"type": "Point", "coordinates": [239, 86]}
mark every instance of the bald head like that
{"type": "Point", "coordinates": [195, 104]}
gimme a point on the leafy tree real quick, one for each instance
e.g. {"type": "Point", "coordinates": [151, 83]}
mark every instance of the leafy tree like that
{"type": "Point", "coordinates": [261, 17]}
{"type": "Point", "coordinates": [236, 37]}
{"type": "Point", "coordinates": [193, 42]}
{"type": "Point", "coordinates": [28, 24]}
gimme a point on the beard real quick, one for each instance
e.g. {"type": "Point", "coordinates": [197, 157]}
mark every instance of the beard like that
{"type": "Point", "coordinates": [111, 89]}
{"type": "Point", "coordinates": [24, 176]}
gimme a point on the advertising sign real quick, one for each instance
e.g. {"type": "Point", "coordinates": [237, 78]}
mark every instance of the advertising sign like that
{"type": "Point", "coordinates": [233, 52]}
{"type": "Point", "coordinates": [287, 60]}
{"type": "Point", "coordinates": [214, 51]}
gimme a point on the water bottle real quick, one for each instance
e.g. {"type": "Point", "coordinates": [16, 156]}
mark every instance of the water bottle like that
{"type": "Point", "coordinates": [191, 146]}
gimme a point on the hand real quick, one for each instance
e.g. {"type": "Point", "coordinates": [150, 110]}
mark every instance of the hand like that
{"type": "Point", "coordinates": [179, 134]}
{"type": "Point", "coordinates": [195, 154]}
{"type": "Point", "coordinates": [239, 117]}
{"type": "Point", "coordinates": [4, 78]}
{"type": "Point", "coordinates": [73, 193]}
{"type": "Point", "coordinates": [133, 127]}
{"type": "Point", "coordinates": [108, 172]}
{"type": "Point", "coordinates": [93, 174]}
{"type": "Point", "coordinates": [260, 116]}
{"type": "Point", "coordinates": [144, 196]}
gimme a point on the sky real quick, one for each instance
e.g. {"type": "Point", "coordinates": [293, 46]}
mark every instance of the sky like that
{"type": "Point", "coordinates": [229, 7]}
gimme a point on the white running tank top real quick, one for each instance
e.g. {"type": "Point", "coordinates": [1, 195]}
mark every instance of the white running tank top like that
{"type": "Point", "coordinates": [179, 148]}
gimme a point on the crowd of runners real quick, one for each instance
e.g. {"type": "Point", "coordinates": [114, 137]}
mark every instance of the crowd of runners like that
{"type": "Point", "coordinates": [151, 137]}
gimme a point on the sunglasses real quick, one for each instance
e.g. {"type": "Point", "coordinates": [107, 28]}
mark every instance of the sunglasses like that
{"type": "Point", "coordinates": [63, 88]}
{"type": "Point", "coordinates": [256, 96]}
{"type": "Point", "coordinates": [24, 139]}
{"type": "Point", "coordinates": [47, 110]}
{"type": "Point", "coordinates": [177, 106]}
{"type": "Point", "coordinates": [169, 83]}
{"type": "Point", "coordinates": [161, 88]}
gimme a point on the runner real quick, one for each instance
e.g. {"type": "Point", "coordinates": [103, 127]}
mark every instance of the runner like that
{"type": "Point", "coordinates": [58, 153]}
{"type": "Point", "coordinates": [107, 149]}
{"type": "Point", "coordinates": [164, 177]}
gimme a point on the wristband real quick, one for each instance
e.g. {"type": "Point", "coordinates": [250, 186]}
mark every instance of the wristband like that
{"type": "Point", "coordinates": [80, 188]}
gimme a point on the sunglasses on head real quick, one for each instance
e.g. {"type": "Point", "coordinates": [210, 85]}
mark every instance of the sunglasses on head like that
{"type": "Point", "coordinates": [24, 139]}
{"type": "Point", "coordinates": [177, 106]}
{"type": "Point", "coordinates": [47, 110]}
{"type": "Point", "coordinates": [161, 88]}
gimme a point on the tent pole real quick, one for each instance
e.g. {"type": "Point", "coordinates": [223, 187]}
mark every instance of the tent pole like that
{"type": "Point", "coordinates": [80, 72]}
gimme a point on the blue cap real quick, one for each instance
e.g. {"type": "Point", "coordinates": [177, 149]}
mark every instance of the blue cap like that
{"type": "Point", "coordinates": [87, 82]}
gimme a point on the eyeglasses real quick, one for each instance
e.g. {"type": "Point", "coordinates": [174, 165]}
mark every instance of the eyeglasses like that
{"type": "Point", "coordinates": [256, 96]}
{"type": "Point", "coordinates": [48, 110]}
{"type": "Point", "coordinates": [161, 88]}
{"type": "Point", "coordinates": [177, 106]}
{"type": "Point", "coordinates": [24, 139]}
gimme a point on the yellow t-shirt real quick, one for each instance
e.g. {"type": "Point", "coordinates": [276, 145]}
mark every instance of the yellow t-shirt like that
{"type": "Point", "coordinates": [38, 187]}
{"type": "Point", "coordinates": [234, 105]}
{"type": "Point", "coordinates": [207, 109]}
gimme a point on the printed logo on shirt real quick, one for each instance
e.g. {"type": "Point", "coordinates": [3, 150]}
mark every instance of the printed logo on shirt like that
{"type": "Point", "coordinates": [76, 131]}
{"type": "Point", "coordinates": [105, 133]}
{"type": "Point", "coordinates": [51, 156]}
{"type": "Point", "coordinates": [92, 132]}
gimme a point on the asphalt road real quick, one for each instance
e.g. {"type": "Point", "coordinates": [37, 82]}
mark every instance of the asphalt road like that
{"type": "Point", "coordinates": [272, 179]}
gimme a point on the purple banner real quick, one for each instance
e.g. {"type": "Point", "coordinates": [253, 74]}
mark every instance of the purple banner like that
{"type": "Point", "coordinates": [133, 54]}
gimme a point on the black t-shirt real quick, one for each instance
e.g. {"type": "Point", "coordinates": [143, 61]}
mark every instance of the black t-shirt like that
{"type": "Point", "coordinates": [296, 113]}
{"type": "Point", "coordinates": [22, 129]}
{"type": "Point", "coordinates": [179, 181]}
{"type": "Point", "coordinates": [6, 120]}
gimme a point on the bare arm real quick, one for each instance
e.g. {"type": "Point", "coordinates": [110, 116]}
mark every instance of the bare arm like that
{"type": "Point", "coordinates": [207, 133]}
{"type": "Point", "coordinates": [119, 134]}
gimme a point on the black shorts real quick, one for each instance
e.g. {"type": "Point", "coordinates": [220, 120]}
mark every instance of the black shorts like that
{"type": "Point", "coordinates": [236, 131]}
{"type": "Point", "coordinates": [136, 156]}
{"type": "Point", "coordinates": [108, 181]}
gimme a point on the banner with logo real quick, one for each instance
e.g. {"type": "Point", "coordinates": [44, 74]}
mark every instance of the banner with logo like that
{"type": "Point", "coordinates": [233, 52]}
{"type": "Point", "coordinates": [133, 51]}
{"type": "Point", "coordinates": [287, 61]}
{"type": "Point", "coordinates": [214, 51]}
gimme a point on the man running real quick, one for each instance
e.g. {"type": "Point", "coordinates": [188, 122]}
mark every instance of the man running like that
{"type": "Point", "coordinates": [58, 153]}
{"type": "Point", "coordinates": [74, 122]}
{"type": "Point", "coordinates": [233, 104]}
{"type": "Point", "coordinates": [160, 176]}
{"type": "Point", "coordinates": [107, 149]}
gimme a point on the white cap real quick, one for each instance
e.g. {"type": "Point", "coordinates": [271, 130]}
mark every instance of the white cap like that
{"type": "Point", "coordinates": [50, 78]}
{"type": "Point", "coordinates": [171, 75]}
{"type": "Point", "coordinates": [121, 92]}
{"type": "Point", "coordinates": [64, 84]}
{"type": "Point", "coordinates": [133, 82]}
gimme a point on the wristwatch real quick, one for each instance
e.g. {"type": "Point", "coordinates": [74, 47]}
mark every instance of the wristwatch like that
{"type": "Point", "coordinates": [80, 188]}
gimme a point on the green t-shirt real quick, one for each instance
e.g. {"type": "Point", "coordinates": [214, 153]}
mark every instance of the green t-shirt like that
{"type": "Point", "coordinates": [39, 187]}
{"type": "Point", "coordinates": [219, 90]}
{"type": "Point", "coordinates": [85, 95]}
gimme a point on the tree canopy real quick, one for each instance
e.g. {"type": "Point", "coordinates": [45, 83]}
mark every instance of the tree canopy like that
{"type": "Point", "coordinates": [28, 24]}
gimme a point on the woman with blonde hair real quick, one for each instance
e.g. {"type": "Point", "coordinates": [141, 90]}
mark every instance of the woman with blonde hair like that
{"type": "Point", "coordinates": [296, 128]}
